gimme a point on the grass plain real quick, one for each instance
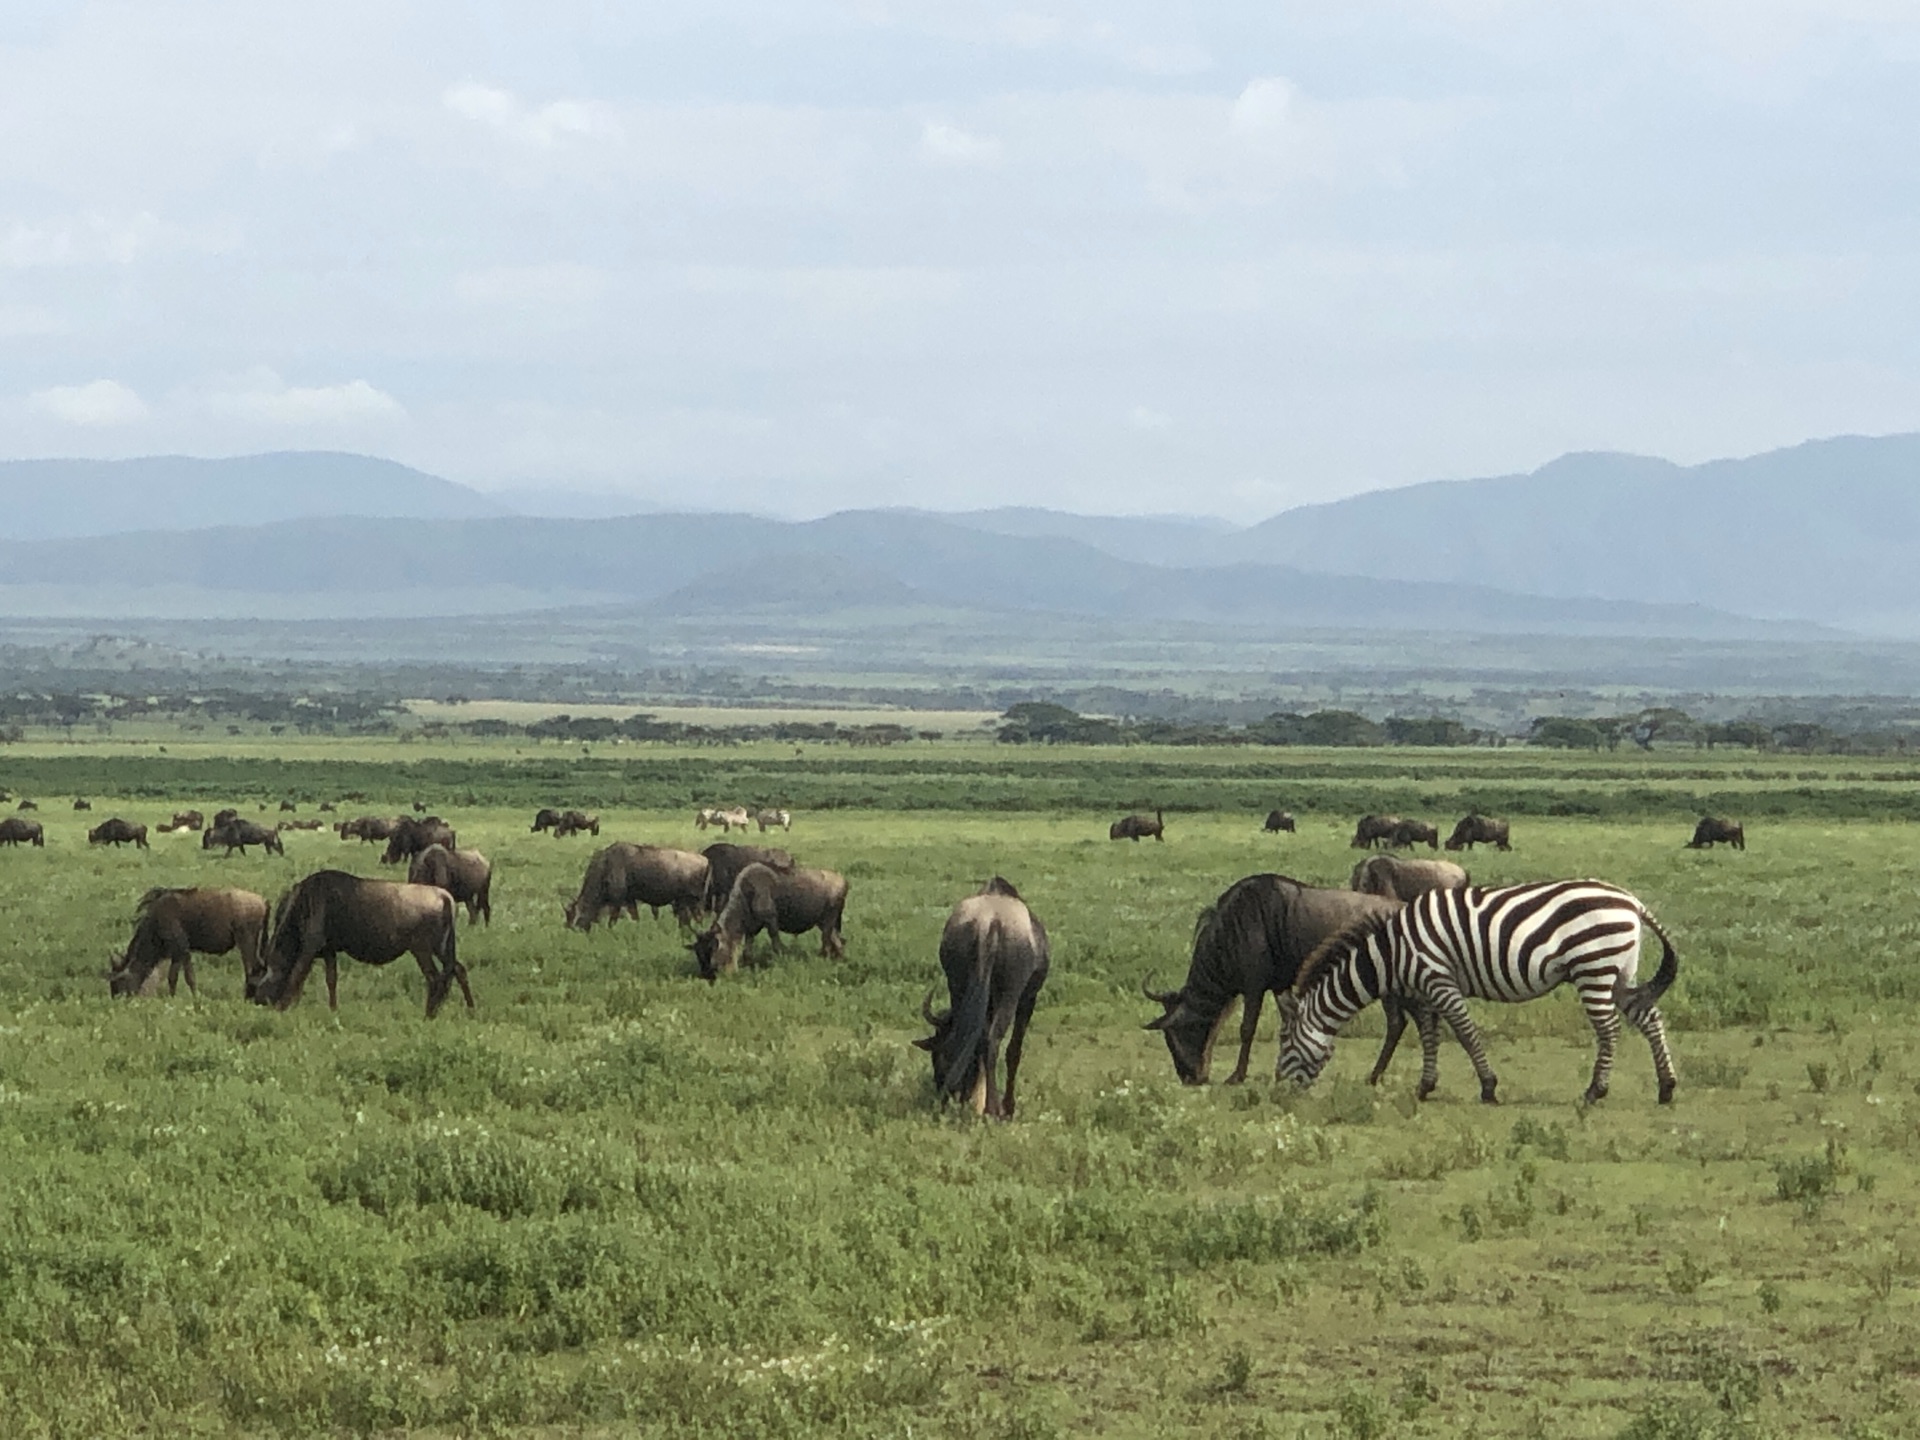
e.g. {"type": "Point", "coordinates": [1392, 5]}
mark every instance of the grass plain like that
{"type": "Point", "coordinates": [614, 1200]}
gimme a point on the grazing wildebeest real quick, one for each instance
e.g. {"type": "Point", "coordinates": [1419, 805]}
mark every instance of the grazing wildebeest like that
{"type": "Point", "coordinates": [463, 874]}
{"type": "Point", "coordinates": [1278, 820]}
{"type": "Point", "coordinates": [287, 807]}
{"type": "Point", "coordinates": [1138, 827]}
{"type": "Point", "coordinates": [1711, 831]}
{"type": "Point", "coordinates": [411, 836]}
{"type": "Point", "coordinates": [83, 804]}
{"type": "Point", "coordinates": [733, 818]}
{"type": "Point", "coordinates": [1248, 944]}
{"type": "Point", "coordinates": [575, 822]}
{"type": "Point", "coordinates": [225, 817]}
{"type": "Point", "coordinates": [624, 876]}
{"type": "Point", "coordinates": [768, 819]}
{"type": "Point", "coordinates": [371, 829]}
{"type": "Point", "coordinates": [773, 902]}
{"type": "Point", "coordinates": [239, 834]}
{"type": "Point", "coordinates": [1399, 879]}
{"type": "Point", "coordinates": [1477, 829]}
{"type": "Point", "coordinates": [326, 807]}
{"type": "Point", "coordinates": [545, 819]}
{"type": "Point", "coordinates": [419, 807]}
{"type": "Point", "coordinates": [188, 820]}
{"type": "Point", "coordinates": [171, 925]}
{"type": "Point", "coordinates": [26, 805]}
{"type": "Point", "coordinates": [118, 832]}
{"type": "Point", "coordinates": [1372, 829]}
{"type": "Point", "coordinates": [1408, 833]}
{"type": "Point", "coordinates": [13, 830]}
{"type": "Point", "coordinates": [726, 860]}
{"type": "Point", "coordinates": [299, 825]}
{"type": "Point", "coordinates": [374, 922]}
{"type": "Point", "coordinates": [994, 953]}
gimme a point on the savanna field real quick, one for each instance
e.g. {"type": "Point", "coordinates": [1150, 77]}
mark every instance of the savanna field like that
{"type": "Point", "coordinates": [615, 1200]}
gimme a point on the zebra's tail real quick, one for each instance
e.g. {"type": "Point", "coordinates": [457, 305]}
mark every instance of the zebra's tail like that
{"type": "Point", "coordinates": [1634, 1001]}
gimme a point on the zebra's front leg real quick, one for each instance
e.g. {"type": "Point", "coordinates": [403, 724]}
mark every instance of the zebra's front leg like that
{"type": "Point", "coordinates": [1429, 1026]}
{"type": "Point", "coordinates": [1396, 1014]}
{"type": "Point", "coordinates": [1453, 1009]}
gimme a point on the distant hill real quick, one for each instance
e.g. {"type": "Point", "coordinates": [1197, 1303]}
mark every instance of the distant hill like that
{"type": "Point", "coordinates": [1150, 539]}
{"type": "Point", "coordinates": [44, 499]}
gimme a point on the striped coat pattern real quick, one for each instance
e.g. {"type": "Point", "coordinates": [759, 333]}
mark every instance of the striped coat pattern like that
{"type": "Point", "coordinates": [1507, 943]}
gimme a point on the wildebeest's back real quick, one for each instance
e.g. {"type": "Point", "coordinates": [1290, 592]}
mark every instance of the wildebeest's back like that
{"type": "Point", "coordinates": [726, 860]}
{"type": "Point", "coordinates": [374, 921]}
{"type": "Point", "coordinates": [1405, 879]}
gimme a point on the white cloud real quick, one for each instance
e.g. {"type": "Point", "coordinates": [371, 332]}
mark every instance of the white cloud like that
{"type": "Point", "coordinates": [950, 145]}
{"type": "Point", "coordinates": [1142, 417]}
{"type": "Point", "coordinates": [99, 403]}
{"type": "Point", "coordinates": [533, 287]}
{"type": "Point", "coordinates": [542, 125]}
{"type": "Point", "coordinates": [263, 397]}
{"type": "Point", "coordinates": [1266, 105]}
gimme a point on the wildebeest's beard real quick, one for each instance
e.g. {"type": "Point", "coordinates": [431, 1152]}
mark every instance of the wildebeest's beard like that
{"type": "Point", "coordinates": [1189, 1035]}
{"type": "Point", "coordinates": [709, 953]}
{"type": "Point", "coordinates": [122, 978]}
{"type": "Point", "coordinates": [939, 1047]}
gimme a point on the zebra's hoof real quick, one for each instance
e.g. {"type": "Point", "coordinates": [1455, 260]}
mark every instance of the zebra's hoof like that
{"type": "Point", "coordinates": [1666, 1091]}
{"type": "Point", "coordinates": [1594, 1096]}
{"type": "Point", "coordinates": [1487, 1097]}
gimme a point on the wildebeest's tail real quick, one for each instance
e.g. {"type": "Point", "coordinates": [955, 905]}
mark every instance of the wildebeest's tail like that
{"type": "Point", "coordinates": [967, 1035]}
{"type": "Point", "coordinates": [1634, 1001]}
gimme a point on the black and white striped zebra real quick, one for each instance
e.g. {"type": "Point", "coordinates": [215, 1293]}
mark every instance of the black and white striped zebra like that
{"type": "Point", "coordinates": [1511, 943]}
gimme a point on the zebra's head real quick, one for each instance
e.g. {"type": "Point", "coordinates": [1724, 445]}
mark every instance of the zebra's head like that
{"type": "Point", "coordinates": [1305, 1047]}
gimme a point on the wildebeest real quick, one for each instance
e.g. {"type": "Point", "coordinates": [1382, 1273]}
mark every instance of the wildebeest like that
{"type": "Point", "coordinates": [726, 860]}
{"type": "Point", "coordinates": [463, 874]}
{"type": "Point", "coordinates": [1400, 879]}
{"type": "Point", "coordinates": [575, 822]}
{"type": "Point", "coordinates": [1711, 831]}
{"type": "Point", "coordinates": [118, 832]}
{"type": "Point", "coordinates": [1372, 829]}
{"type": "Point", "coordinates": [773, 902]}
{"type": "Point", "coordinates": [1248, 944]}
{"type": "Point", "coordinates": [287, 807]}
{"type": "Point", "coordinates": [26, 805]}
{"type": "Point", "coordinates": [1138, 827]}
{"type": "Point", "coordinates": [82, 804]}
{"type": "Point", "coordinates": [225, 817]}
{"type": "Point", "coordinates": [171, 925]}
{"type": "Point", "coordinates": [545, 819]}
{"type": "Point", "coordinates": [768, 819]}
{"type": "Point", "coordinates": [411, 836]}
{"type": "Point", "coordinates": [1477, 829]}
{"type": "Point", "coordinates": [238, 834]}
{"type": "Point", "coordinates": [419, 807]}
{"type": "Point", "coordinates": [188, 820]}
{"type": "Point", "coordinates": [995, 955]}
{"type": "Point", "coordinates": [13, 830]}
{"type": "Point", "coordinates": [326, 807]}
{"type": "Point", "coordinates": [373, 921]}
{"type": "Point", "coordinates": [1408, 833]}
{"type": "Point", "coordinates": [299, 825]}
{"type": "Point", "coordinates": [1278, 820]}
{"type": "Point", "coordinates": [371, 829]}
{"type": "Point", "coordinates": [624, 876]}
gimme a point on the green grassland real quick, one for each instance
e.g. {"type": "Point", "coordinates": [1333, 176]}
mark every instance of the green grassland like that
{"type": "Point", "coordinates": [615, 1200]}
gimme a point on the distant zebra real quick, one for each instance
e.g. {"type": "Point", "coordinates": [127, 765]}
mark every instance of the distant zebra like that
{"type": "Point", "coordinates": [1511, 943]}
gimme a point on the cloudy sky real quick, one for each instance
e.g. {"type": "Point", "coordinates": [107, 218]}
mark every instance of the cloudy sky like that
{"type": "Point", "coordinates": [795, 255]}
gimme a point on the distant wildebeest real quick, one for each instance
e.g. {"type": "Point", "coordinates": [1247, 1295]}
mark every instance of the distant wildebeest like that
{"type": "Point", "coordinates": [331, 913]}
{"type": "Point", "coordinates": [464, 874]}
{"type": "Point", "coordinates": [118, 832]}
{"type": "Point", "coordinates": [575, 822]}
{"type": "Point", "coordinates": [773, 902]}
{"type": "Point", "coordinates": [26, 805]}
{"type": "Point", "coordinates": [309, 824]}
{"type": "Point", "coordinates": [1409, 833]}
{"type": "Point", "coordinates": [624, 876]}
{"type": "Point", "coordinates": [225, 817]}
{"type": "Point", "coordinates": [411, 836]}
{"type": "Point", "coordinates": [326, 807]}
{"type": "Point", "coordinates": [287, 807]}
{"type": "Point", "coordinates": [1138, 827]}
{"type": "Point", "coordinates": [172, 925]}
{"type": "Point", "coordinates": [1477, 829]}
{"type": "Point", "coordinates": [371, 829]}
{"type": "Point", "coordinates": [13, 830]}
{"type": "Point", "coordinates": [1278, 820]}
{"type": "Point", "coordinates": [1372, 829]}
{"type": "Point", "coordinates": [167, 827]}
{"type": "Point", "coordinates": [734, 817]}
{"type": "Point", "coordinates": [995, 955]}
{"type": "Point", "coordinates": [188, 820]}
{"type": "Point", "coordinates": [1248, 944]}
{"type": "Point", "coordinates": [1711, 831]}
{"type": "Point", "coordinates": [238, 834]}
{"type": "Point", "coordinates": [768, 819]}
{"type": "Point", "coordinates": [83, 804]}
{"type": "Point", "coordinates": [726, 860]}
{"type": "Point", "coordinates": [545, 819]}
{"type": "Point", "coordinates": [419, 807]}
{"type": "Point", "coordinates": [1400, 879]}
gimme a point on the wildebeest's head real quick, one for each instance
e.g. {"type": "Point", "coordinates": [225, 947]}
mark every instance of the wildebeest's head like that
{"type": "Point", "coordinates": [120, 976]}
{"type": "Point", "coordinates": [936, 1044]}
{"type": "Point", "coordinates": [1189, 1036]}
{"type": "Point", "coordinates": [712, 952]}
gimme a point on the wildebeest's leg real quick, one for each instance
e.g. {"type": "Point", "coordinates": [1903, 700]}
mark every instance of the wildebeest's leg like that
{"type": "Point", "coordinates": [193, 985]}
{"type": "Point", "coordinates": [1017, 1040]}
{"type": "Point", "coordinates": [1396, 1015]}
{"type": "Point", "coordinates": [1250, 1005]}
{"type": "Point", "coordinates": [332, 962]}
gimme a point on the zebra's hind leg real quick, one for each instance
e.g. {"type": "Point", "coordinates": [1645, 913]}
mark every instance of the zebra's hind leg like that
{"type": "Point", "coordinates": [1453, 1009]}
{"type": "Point", "coordinates": [1605, 1019]}
{"type": "Point", "coordinates": [1655, 1029]}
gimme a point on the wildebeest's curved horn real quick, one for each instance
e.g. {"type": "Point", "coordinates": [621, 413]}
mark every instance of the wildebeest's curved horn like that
{"type": "Point", "coordinates": [926, 1007]}
{"type": "Point", "coordinates": [1161, 997]}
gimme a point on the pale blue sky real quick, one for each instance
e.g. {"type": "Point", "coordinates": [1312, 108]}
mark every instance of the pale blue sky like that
{"type": "Point", "coordinates": [797, 256]}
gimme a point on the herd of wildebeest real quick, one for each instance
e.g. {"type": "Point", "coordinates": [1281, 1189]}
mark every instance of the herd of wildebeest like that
{"type": "Point", "coordinates": [1264, 935]}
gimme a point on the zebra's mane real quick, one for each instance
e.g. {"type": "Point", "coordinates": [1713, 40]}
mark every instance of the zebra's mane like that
{"type": "Point", "coordinates": [1338, 946]}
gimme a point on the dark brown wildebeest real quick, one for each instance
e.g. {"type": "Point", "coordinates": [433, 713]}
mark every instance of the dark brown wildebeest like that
{"type": "Point", "coordinates": [995, 955]}
{"type": "Point", "coordinates": [287, 807]}
{"type": "Point", "coordinates": [82, 804]}
{"type": "Point", "coordinates": [1408, 833]}
{"type": "Point", "coordinates": [1477, 829]}
{"type": "Point", "coordinates": [225, 817]}
{"type": "Point", "coordinates": [1372, 829]}
{"type": "Point", "coordinates": [299, 825]}
{"type": "Point", "coordinates": [1711, 831]}
{"type": "Point", "coordinates": [1248, 944]}
{"type": "Point", "coordinates": [188, 820]}
{"type": "Point", "coordinates": [419, 807]}
{"type": "Point", "coordinates": [624, 876]}
{"type": "Point", "coordinates": [239, 834]}
{"type": "Point", "coordinates": [26, 805]}
{"type": "Point", "coordinates": [1138, 827]}
{"type": "Point", "coordinates": [575, 822]}
{"type": "Point", "coordinates": [118, 832]}
{"type": "Point", "coordinates": [171, 925]}
{"type": "Point", "coordinates": [545, 819]}
{"type": "Point", "coordinates": [13, 830]}
{"type": "Point", "coordinates": [773, 902]}
{"type": "Point", "coordinates": [726, 860]}
{"type": "Point", "coordinates": [1399, 879]}
{"type": "Point", "coordinates": [372, 829]}
{"type": "Point", "coordinates": [326, 807]}
{"type": "Point", "coordinates": [463, 874]}
{"type": "Point", "coordinates": [411, 836]}
{"type": "Point", "coordinates": [373, 921]}
{"type": "Point", "coordinates": [1278, 820]}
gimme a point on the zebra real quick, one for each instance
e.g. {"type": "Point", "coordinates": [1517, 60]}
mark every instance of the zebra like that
{"type": "Point", "coordinates": [1512, 943]}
